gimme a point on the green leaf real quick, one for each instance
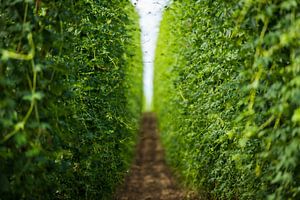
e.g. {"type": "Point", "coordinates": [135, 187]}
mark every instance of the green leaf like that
{"type": "Point", "coordinates": [288, 5]}
{"type": "Point", "coordinates": [33, 96]}
{"type": "Point", "coordinates": [20, 139]}
{"type": "Point", "coordinates": [296, 116]}
{"type": "Point", "coordinates": [33, 152]}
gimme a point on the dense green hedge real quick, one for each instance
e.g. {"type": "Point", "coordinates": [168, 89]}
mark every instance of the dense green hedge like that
{"type": "Point", "coordinates": [227, 93]}
{"type": "Point", "coordinates": [70, 97]}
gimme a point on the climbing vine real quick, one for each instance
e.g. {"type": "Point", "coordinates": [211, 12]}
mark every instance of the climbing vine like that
{"type": "Point", "coordinates": [70, 82]}
{"type": "Point", "coordinates": [227, 94]}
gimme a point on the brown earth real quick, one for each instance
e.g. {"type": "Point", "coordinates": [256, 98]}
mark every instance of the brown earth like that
{"type": "Point", "coordinates": [149, 177]}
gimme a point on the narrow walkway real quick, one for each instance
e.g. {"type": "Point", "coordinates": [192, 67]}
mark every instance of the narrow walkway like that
{"type": "Point", "coordinates": [150, 178]}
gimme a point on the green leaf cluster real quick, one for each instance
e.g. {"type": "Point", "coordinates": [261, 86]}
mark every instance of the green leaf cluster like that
{"type": "Point", "coordinates": [70, 97]}
{"type": "Point", "coordinates": [227, 95]}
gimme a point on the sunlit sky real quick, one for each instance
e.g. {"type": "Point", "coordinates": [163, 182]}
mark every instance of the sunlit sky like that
{"type": "Point", "coordinates": [150, 12]}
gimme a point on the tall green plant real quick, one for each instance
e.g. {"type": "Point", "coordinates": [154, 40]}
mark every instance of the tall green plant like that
{"type": "Point", "coordinates": [68, 106]}
{"type": "Point", "coordinates": [229, 114]}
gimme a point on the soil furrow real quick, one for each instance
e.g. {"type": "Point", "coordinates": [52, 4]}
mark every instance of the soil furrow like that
{"type": "Point", "coordinates": [149, 177]}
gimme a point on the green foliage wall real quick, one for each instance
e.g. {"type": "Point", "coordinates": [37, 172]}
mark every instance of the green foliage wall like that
{"type": "Point", "coordinates": [227, 95]}
{"type": "Point", "coordinates": [70, 97]}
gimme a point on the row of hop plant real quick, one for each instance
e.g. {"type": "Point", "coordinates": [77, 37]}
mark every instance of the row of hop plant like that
{"type": "Point", "coordinates": [70, 97]}
{"type": "Point", "coordinates": [227, 93]}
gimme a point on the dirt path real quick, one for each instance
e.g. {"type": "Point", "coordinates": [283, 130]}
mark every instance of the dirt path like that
{"type": "Point", "coordinates": [150, 178]}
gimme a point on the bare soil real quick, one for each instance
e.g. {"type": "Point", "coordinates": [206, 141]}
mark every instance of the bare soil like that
{"type": "Point", "coordinates": [149, 177]}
